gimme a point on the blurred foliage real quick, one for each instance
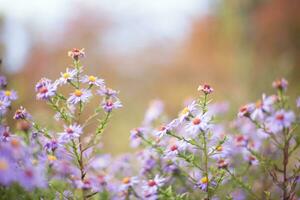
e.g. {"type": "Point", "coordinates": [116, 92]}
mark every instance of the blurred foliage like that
{"type": "Point", "coordinates": [239, 48]}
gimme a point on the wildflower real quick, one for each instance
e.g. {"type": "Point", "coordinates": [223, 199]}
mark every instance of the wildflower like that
{"type": "Point", "coordinates": [188, 111]}
{"type": "Point", "coordinates": [7, 173]}
{"type": "Point", "coordinates": [128, 182]}
{"type": "Point", "coordinates": [93, 80]}
{"type": "Point", "coordinates": [135, 137]}
{"type": "Point", "coordinates": [45, 89]}
{"type": "Point", "coordinates": [79, 95]}
{"type": "Point", "coordinates": [4, 104]}
{"type": "Point", "coordinates": [240, 141]}
{"type": "Point", "coordinates": [280, 84]}
{"type": "Point", "coordinates": [70, 132]}
{"type": "Point", "coordinates": [206, 89]}
{"type": "Point", "coordinates": [76, 54]}
{"type": "Point", "coordinates": [21, 113]}
{"type": "Point", "coordinates": [265, 105]}
{"type": "Point", "coordinates": [51, 145]}
{"type": "Point", "coordinates": [174, 149]}
{"type": "Point", "coordinates": [3, 82]}
{"type": "Point", "coordinates": [222, 163]}
{"type": "Point", "coordinates": [107, 92]}
{"type": "Point", "coordinates": [67, 76]}
{"type": "Point", "coordinates": [9, 94]}
{"type": "Point", "coordinates": [246, 110]}
{"type": "Point", "coordinates": [202, 183]}
{"type": "Point", "coordinates": [280, 120]}
{"type": "Point", "coordinates": [33, 177]}
{"type": "Point", "coordinates": [151, 186]}
{"type": "Point", "coordinates": [4, 133]}
{"type": "Point", "coordinates": [198, 124]}
{"type": "Point", "coordinates": [109, 105]}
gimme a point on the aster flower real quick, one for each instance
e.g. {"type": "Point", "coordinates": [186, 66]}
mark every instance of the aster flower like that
{"type": "Point", "coordinates": [70, 132]}
{"type": "Point", "coordinates": [33, 177]}
{"type": "Point", "coordinates": [265, 105]}
{"type": "Point", "coordinates": [76, 54]}
{"type": "Point", "coordinates": [45, 89]}
{"type": "Point", "coordinates": [93, 80]}
{"type": "Point", "coordinates": [198, 124]}
{"type": "Point", "coordinates": [109, 105]}
{"type": "Point", "coordinates": [4, 133]}
{"type": "Point", "coordinates": [79, 95]}
{"type": "Point", "coordinates": [174, 149]}
{"type": "Point", "coordinates": [246, 110]}
{"type": "Point", "coordinates": [107, 92]}
{"type": "Point", "coordinates": [9, 94]}
{"type": "Point", "coordinates": [188, 111]}
{"type": "Point", "coordinates": [51, 145]}
{"type": "Point", "coordinates": [3, 82]}
{"type": "Point", "coordinates": [169, 127]}
{"type": "Point", "coordinates": [280, 120]}
{"type": "Point", "coordinates": [280, 84]}
{"type": "Point", "coordinates": [4, 104]}
{"type": "Point", "coordinates": [155, 110]}
{"type": "Point", "coordinates": [151, 186]}
{"type": "Point", "coordinates": [129, 182]}
{"type": "Point", "coordinates": [135, 137]}
{"type": "Point", "coordinates": [206, 89]}
{"type": "Point", "coordinates": [21, 113]}
{"type": "Point", "coordinates": [7, 171]}
{"type": "Point", "coordinates": [67, 76]}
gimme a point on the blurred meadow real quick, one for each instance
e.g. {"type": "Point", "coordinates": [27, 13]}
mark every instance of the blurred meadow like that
{"type": "Point", "coordinates": [152, 50]}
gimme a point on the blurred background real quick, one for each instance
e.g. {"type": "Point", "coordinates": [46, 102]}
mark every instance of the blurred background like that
{"type": "Point", "coordinates": [152, 50]}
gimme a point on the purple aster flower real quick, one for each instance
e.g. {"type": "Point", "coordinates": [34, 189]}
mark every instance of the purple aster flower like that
{"type": "Point", "coordinates": [298, 102]}
{"type": "Point", "coordinates": [71, 132]}
{"type": "Point", "coordinates": [169, 127]}
{"type": "Point", "coordinates": [135, 137]}
{"type": "Point", "coordinates": [77, 96]}
{"type": "Point", "coordinates": [129, 182]}
{"type": "Point", "coordinates": [280, 84]}
{"type": "Point", "coordinates": [109, 105]}
{"type": "Point", "coordinates": [265, 105]}
{"type": "Point", "coordinates": [51, 145]}
{"type": "Point", "coordinates": [107, 92]}
{"type": "Point", "coordinates": [4, 104]}
{"type": "Point", "coordinates": [246, 110]}
{"type": "Point", "coordinates": [21, 113]}
{"type": "Point", "coordinates": [280, 120]}
{"type": "Point", "coordinates": [3, 82]}
{"type": "Point", "coordinates": [188, 111]}
{"type": "Point", "coordinates": [67, 76]}
{"type": "Point", "coordinates": [174, 149]}
{"type": "Point", "coordinates": [4, 133]}
{"type": "Point", "coordinates": [45, 89]}
{"type": "Point", "coordinates": [198, 124]}
{"type": "Point", "coordinates": [9, 94]}
{"type": "Point", "coordinates": [93, 80]}
{"type": "Point", "coordinates": [7, 171]}
{"type": "Point", "coordinates": [33, 177]}
{"type": "Point", "coordinates": [151, 186]}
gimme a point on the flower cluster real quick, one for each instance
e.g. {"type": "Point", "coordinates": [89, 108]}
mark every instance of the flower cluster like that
{"type": "Point", "coordinates": [194, 155]}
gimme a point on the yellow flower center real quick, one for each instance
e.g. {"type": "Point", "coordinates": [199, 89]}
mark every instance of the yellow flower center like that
{"type": "Point", "coordinates": [51, 158]}
{"type": "Point", "coordinates": [34, 161]}
{"type": "Point", "coordinates": [185, 111]}
{"type": "Point", "coordinates": [126, 180]}
{"type": "Point", "coordinates": [3, 165]}
{"type": "Point", "coordinates": [78, 93]}
{"type": "Point", "coordinates": [66, 75]}
{"type": "Point", "coordinates": [7, 93]}
{"type": "Point", "coordinates": [219, 148]}
{"type": "Point", "coordinates": [92, 78]}
{"type": "Point", "coordinates": [204, 180]}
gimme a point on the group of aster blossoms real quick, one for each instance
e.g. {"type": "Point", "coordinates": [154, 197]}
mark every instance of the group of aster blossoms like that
{"type": "Point", "coordinates": [196, 155]}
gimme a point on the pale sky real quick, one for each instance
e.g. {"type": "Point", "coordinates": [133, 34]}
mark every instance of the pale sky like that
{"type": "Point", "coordinates": [136, 22]}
